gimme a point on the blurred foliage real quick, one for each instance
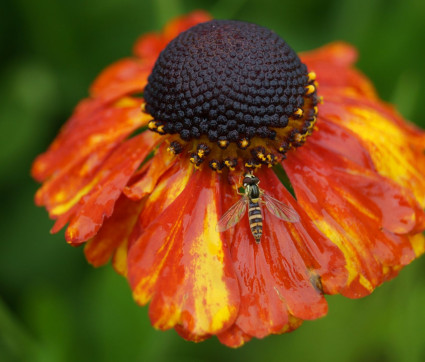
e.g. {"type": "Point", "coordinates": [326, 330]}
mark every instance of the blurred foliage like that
{"type": "Point", "coordinates": [55, 307]}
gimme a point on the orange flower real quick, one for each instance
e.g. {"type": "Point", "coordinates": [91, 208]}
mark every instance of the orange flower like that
{"type": "Point", "coordinates": [227, 99]}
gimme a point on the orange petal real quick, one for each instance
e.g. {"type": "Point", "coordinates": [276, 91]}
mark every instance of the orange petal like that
{"type": "Point", "coordinates": [161, 162]}
{"type": "Point", "coordinates": [280, 277]}
{"type": "Point", "coordinates": [183, 264]}
{"type": "Point", "coordinates": [393, 207]}
{"type": "Point", "coordinates": [351, 206]}
{"type": "Point", "coordinates": [122, 78]}
{"type": "Point", "coordinates": [341, 141]}
{"type": "Point", "coordinates": [148, 47]}
{"type": "Point", "coordinates": [115, 231]}
{"type": "Point", "coordinates": [396, 152]}
{"type": "Point", "coordinates": [93, 128]}
{"type": "Point", "coordinates": [233, 337]}
{"type": "Point", "coordinates": [112, 177]}
{"type": "Point", "coordinates": [169, 187]}
{"type": "Point", "coordinates": [333, 54]}
{"type": "Point", "coordinates": [332, 65]}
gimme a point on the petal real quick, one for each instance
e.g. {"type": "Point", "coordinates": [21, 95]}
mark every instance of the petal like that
{"type": "Point", "coordinates": [280, 277]}
{"type": "Point", "coordinates": [418, 244]}
{"type": "Point", "coordinates": [124, 77]}
{"type": "Point", "coordinates": [111, 179]}
{"type": "Point", "coordinates": [341, 141]}
{"type": "Point", "coordinates": [332, 65]}
{"type": "Point", "coordinates": [161, 162]}
{"type": "Point", "coordinates": [115, 231]}
{"type": "Point", "coordinates": [351, 205]}
{"type": "Point", "coordinates": [390, 147]}
{"type": "Point", "coordinates": [233, 337]}
{"type": "Point", "coordinates": [334, 54]}
{"type": "Point", "coordinates": [169, 187]}
{"type": "Point", "coordinates": [394, 207]}
{"type": "Point", "coordinates": [93, 129]}
{"type": "Point", "coordinates": [183, 264]}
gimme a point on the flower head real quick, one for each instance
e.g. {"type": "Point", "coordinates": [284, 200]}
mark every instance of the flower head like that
{"type": "Point", "coordinates": [145, 180]}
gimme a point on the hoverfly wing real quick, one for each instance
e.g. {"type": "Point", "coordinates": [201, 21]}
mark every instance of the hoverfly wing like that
{"type": "Point", "coordinates": [232, 216]}
{"type": "Point", "coordinates": [280, 210]}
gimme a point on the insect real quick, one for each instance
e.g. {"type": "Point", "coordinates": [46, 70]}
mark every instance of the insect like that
{"type": "Point", "coordinates": [255, 197]}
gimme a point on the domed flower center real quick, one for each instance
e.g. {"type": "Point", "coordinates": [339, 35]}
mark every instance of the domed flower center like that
{"type": "Point", "coordinates": [231, 93]}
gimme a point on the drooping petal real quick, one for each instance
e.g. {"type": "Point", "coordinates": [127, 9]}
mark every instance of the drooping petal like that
{"type": "Point", "coordinates": [391, 148]}
{"type": "Point", "coordinates": [183, 264]}
{"type": "Point", "coordinates": [111, 178]}
{"type": "Point", "coordinates": [92, 130]}
{"type": "Point", "coordinates": [395, 146]}
{"type": "Point", "coordinates": [233, 337]}
{"type": "Point", "coordinates": [352, 205]}
{"type": "Point", "coordinates": [168, 188]}
{"type": "Point", "coordinates": [161, 162]}
{"type": "Point", "coordinates": [115, 231]}
{"type": "Point", "coordinates": [281, 277]}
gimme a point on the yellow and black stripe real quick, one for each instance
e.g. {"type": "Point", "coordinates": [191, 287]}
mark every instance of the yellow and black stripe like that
{"type": "Point", "coordinates": [255, 220]}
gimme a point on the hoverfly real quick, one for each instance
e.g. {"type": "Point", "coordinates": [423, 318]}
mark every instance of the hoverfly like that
{"type": "Point", "coordinates": [254, 197]}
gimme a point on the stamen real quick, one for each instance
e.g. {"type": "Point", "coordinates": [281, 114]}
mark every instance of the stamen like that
{"type": "Point", "coordinates": [231, 163]}
{"type": "Point", "coordinates": [203, 150]}
{"type": "Point", "coordinates": [196, 160]}
{"type": "Point", "coordinates": [310, 89]}
{"type": "Point", "coordinates": [311, 76]}
{"type": "Point", "coordinates": [216, 165]}
{"type": "Point", "coordinates": [175, 148]}
{"type": "Point", "coordinates": [252, 164]}
{"type": "Point", "coordinates": [156, 126]}
{"type": "Point", "coordinates": [259, 153]}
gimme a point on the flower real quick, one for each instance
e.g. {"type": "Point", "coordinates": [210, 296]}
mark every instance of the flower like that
{"type": "Point", "coordinates": [144, 179]}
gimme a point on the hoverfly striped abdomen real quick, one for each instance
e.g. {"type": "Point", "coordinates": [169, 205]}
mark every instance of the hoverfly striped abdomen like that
{"type": "Point", "coordinates": [254, 197]}
{"type": "Point", "coordinates": [255, 220]}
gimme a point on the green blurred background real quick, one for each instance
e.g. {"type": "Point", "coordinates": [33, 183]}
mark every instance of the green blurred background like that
{"type": "Point", "coordinates": [53, 305]}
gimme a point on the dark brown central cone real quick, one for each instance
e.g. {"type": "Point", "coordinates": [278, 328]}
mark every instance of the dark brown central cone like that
{"type": "Point", "coordinates": [228, 82]}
